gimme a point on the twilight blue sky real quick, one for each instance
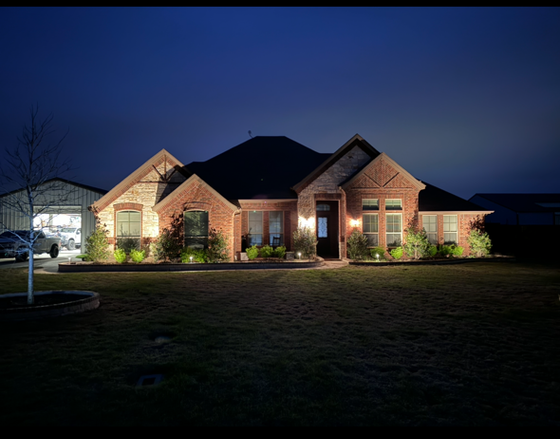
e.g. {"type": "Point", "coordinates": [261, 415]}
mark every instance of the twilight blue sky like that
{"type": "Point", "coordinates": [467, 99]}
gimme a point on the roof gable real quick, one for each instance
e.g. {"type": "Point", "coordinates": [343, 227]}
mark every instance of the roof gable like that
{"type": "Point", "coordinates": [383, 172]}
{"type": "Point", "coordinates": [177, 193]}
{"type": "Point", "coordinates": [171, 164]}
{"type": "Point", "coordinates": [356, 140]}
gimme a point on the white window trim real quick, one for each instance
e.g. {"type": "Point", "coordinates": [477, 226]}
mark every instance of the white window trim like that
{"type": "Point", "coordinates": [430, 232]}
{"type": "Point", "coordinates": [393, 233]}
{"type": "Point", "coordinates": [371, 233]}
{"type": "Point", "coordinates": [456, 240]}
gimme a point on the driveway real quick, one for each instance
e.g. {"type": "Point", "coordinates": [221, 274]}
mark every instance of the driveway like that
{"type": "Point", "coordinates": [43, 261]}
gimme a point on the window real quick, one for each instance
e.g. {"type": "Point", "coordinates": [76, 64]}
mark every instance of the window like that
{"type": "Point", "coordinates": [196, 229]}
{"type": "Point", "coordinates": [449, 229]}
{"type": "Point", "coordinates": [255, 228]}
{"type": "Point", "coordinates": [394, 229]}
{"type": "Point", "coordinates": [276, 228]}
{"type": "Point", "coordinates": [128, 229]}
{"type": "Point", "coordinates": [323, 207]}
{"type": "Point", "coordinates": [371, 228]}
{"type": "Point", "coordinates": [393, 204]}
{"type": "Point", "coordinates": [430, 226]}
{"type": "Point", "coordinates": [370, 204]}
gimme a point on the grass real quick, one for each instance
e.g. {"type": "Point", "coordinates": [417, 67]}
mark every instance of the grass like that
{"type": "Point", "coordinates": [470, 344]}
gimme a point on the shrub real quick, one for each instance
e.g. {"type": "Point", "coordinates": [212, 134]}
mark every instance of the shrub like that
{"type": "Point", "coordinates": [305, 242]}
{"type": "Point", "coordinates": [479, 243]}
{"type": "Point", "coordinates": [397, 253]}
{"type": "Point", "coordinates": [457, 250]}
{"type": "Point", "coordinates": [267, 251]}
{"type": "Point", "coordinates": [97, 245]}
{"type": "Point", "coordinates": [252, 252]}
{"type": "Point", "coordinates": [280, 252]}
{"type": "Point", "coordinates": [445, 250]}
{"type": "Point", "coordinates": [137, 256]}
{"type": "Point", "coordinates": [217, 246]}
{"type": "Point", "coordinates": [453, 250]}
{"type": "Point", "coordinates": [378, 251]}
{"type": "Point", "coordinates": [416, 243]}
{"type": "Point", "coordinates": [120, 255]}
{"type": "Point", "coordinates": [165, 247]}
{"type": "Point", "coordinates": [198, 255]}
{"type": "Point", "coordinates": [357, 246]}
{"type": "Point", "coordinates": [128, 244]}
{"type": "Point", "coordinates": [432, 251]}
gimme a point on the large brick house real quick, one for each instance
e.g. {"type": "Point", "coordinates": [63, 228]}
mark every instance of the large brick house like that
{"type": "Point", "coordinates": [260, 191]}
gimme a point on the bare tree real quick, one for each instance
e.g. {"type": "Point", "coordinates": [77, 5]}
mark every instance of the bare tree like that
{"type": "Point", "coordinates": [33, 168]}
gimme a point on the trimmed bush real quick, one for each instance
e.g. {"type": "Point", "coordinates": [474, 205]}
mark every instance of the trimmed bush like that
{"type": "Point", "coordinates": [267, 251]}
{"type": "Point", "coordinates": [432, 251]}
{"type": "Point", "coordinates": [357, 246]}
{"type": "Point", "coordinates": [397, 253]}
{"type": "Point", "coordinates": [165, 247]}
{"type": "Point", "coordinates": [198, 255]}
{"type": "Point", "coordinates": [378, 251]}
{"type": "Point", "coordinates": [120, 255]}
{"type": "Point", "coordinates": [137, 256]}
{"type": "Point", "coordinates": [252, 252]}
{"type": "Point", "coordinates": [280, 252]}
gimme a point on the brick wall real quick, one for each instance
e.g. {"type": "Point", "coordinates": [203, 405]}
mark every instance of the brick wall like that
{"type": "Point", "coordinates": [197, 196]}
{"type": "Point", "coordinates": [381, 181]}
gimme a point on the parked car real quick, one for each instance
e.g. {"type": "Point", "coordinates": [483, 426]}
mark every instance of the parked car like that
{"type": "Point", "coordinates": [12, 245]}
{"type": "Point", "coordinates": [71, 237]}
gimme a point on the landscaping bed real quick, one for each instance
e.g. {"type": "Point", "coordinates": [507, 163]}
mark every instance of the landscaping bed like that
{"type": "Point", "coordinates": [91, 267]}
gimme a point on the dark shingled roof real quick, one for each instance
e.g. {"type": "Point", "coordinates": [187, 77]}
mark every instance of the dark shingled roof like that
{"type": "Point", "coordinates": [264, 167]}
{"type": "Point", "coordinates": [525, 202]}
{"type": "Point", "coordinates": [434, 199]}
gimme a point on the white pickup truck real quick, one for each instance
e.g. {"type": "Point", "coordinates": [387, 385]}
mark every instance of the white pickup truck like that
{"type": "Point", "coordinates": [12, 246]}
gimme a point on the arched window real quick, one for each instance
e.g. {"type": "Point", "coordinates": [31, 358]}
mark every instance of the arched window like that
{"type": "Point", "coordinates": [129, 229]}
{"type": "Point", "coordinates": [196, 229]}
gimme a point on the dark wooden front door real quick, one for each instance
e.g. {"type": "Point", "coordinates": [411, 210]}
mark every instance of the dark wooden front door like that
{"type": "Point", "coordinates": [327, 229]}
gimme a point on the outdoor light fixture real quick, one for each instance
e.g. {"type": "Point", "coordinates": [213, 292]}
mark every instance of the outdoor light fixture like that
{"type": "Point", "coordinates": [69, 259]}
{"type": "Point", "coordinates": [354, 222]}
{"type": "Point", "coordinates": [191, 259]}
{"type": "Point", "coordinates": [299, 254]}
{"type": "Point", "coordinates": [377, 256]}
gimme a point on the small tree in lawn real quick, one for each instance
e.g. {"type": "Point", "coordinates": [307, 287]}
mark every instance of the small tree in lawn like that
{"type": "Point", "coordinates": [32, 169]}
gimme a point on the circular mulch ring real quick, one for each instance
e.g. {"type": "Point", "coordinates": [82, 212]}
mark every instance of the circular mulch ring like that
{"type": "Point", "coordinates": [47, 304]}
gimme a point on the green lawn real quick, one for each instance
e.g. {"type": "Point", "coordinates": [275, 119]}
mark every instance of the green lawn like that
{"type": "Point", "coordinates": [470, 344]}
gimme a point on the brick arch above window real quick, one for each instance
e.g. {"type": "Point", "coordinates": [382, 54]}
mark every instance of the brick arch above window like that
{"type": "Point", "coordinates": [128, 206]}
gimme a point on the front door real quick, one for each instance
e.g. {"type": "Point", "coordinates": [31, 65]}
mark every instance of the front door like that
{"type": "Point", "coordinates": [327, 229]}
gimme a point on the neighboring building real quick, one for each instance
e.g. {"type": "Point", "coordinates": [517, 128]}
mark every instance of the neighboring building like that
{"type": "Point", "coordinates": [521, 209]}
{"type": "Point", "coordinates": [64, 203]}
{"type": "Point", "coordinates": [260, 191]}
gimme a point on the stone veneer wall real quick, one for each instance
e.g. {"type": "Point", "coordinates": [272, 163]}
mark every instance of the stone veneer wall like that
{"type": "Point", "coordinates": [140, 196]}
